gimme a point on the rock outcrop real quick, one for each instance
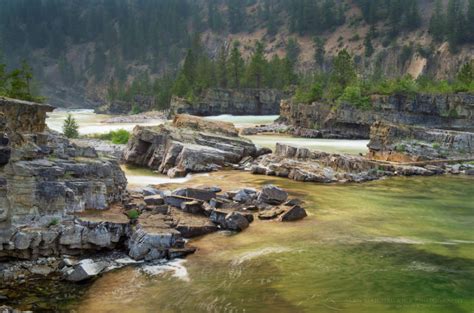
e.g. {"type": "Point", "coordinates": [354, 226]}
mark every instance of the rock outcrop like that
{"type": "Point", "coordinates": [455, 111]}
{"type": "Point", "coordinates": [401, 143]}
{"type": "Point", "coordinates": [189, 144]}
{"type": "Point", "coordinates": [144, 103]}
{"type": "Point", "coordinates": [302, 164]}
{"type": "Point", "coordinates": [45, 181]}
{"type": "Point", "coordinates": [217, 101]}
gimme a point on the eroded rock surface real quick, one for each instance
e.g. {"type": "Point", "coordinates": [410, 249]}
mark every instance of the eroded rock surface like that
{"type": "Point", "coordinates": [454, 111]}
{"type": "Point", "coordinates": [401, 143]}
{"type": "Point", "coordinates": [216, 101]}
{"type": "Point", "coordinates": [189, 144]}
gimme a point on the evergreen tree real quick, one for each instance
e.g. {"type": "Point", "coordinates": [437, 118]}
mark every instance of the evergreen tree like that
{"type": "Point", "coordinates": [256, 68]}
{"type": "Point", "coordinates": [454, 24]}
{"type": "Point", "coordinates": [70, 127]}
{"type": "Point", "coordinates": [3, 79]}
{"type": "Point", "coordinates": [319, 52]}
{"type": "Point", "coordinates": [466, 73]}
{"type": "Point", "coordinates": [236, 13]}
{"type": "Point", "coordinates": [236, 66]}
{"type": "Point", "coordinates": [292, 50]}
{"type": "Point", "coordinates": [19, 81]}
{"type": "Point", "coordinates": [343, 72]}
{"type": "Point", "coordinates": [412, 18]}
{"type": "Point", "coordinates": [470, 22]}
{"type": "Point", "coordinates": [369, 48]}
{"type": "Point", "coordinates": [222, 76]}
{"type": "Point", "coordinates": [215, 21]}
{"type": "Point", "coordinates": [437, 22]}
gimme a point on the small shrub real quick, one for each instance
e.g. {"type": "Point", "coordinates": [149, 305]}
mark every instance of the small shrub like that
{"type": "Point", "coordinates": [400, 148]}
{"type": "Point", "coordinates": [118, 137]}
{"type": "Point", "coordinates": [353, 95]}
{"type": "Point", "coordinates": [135, 110]}
{"type": "Point", "coordinates": [436, 146]}
{"type": "Point", "coordinates": [356, 37]}
{"type": "Point", "coordinates": [54, 221]}
{"type": "Point", "coordinates": [133, 214]}
{"type": "Point", "coordinates": [70, 127]}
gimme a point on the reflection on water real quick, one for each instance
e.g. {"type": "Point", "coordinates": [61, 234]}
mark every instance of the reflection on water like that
{"type": "Point", "coordinates": [245, 120]}
{"type": "Point", "coordinates": [375, 247]}
{"type": "Point", "coordinates": [89, 122]}
{"type": "Point", "coordinates": [327, 145]}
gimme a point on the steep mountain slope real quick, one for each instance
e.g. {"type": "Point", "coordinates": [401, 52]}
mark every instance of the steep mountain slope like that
{"type": "Point", "coordinates": [78, 48]}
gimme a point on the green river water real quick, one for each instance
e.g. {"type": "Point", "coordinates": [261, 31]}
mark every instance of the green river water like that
{"type": "Point", "coordinates": [395, 245]}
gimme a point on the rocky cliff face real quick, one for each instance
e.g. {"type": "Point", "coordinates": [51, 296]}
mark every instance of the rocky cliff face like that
{"type": "Point", "coordinates": [44, 179]}
{"type": "Point", "coordinates": [189, 144]}
{"type": "Point", "coordinates": [144, 103]}
{"type": "Point", "coordinates": [231, 101]}
{"type": "Point", "coordinates": [454, 111]}
{"type": "Point", "coordinates": [401, 143]}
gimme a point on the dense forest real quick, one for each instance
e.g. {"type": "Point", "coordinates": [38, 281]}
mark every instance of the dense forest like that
{"type": "Point", "coordinates": [114, 49]}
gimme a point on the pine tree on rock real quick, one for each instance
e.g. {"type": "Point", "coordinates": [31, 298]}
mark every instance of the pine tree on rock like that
{"type": "Point", "coordinates": [70, 127]}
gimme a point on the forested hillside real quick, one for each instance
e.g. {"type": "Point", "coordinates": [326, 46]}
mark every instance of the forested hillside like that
{"type": "Point", "coordinates": [88, 52]}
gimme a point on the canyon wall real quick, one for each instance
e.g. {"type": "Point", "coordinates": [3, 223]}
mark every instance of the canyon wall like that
{"type": "Point", "coordinates": [455, 111]}
{"type": "Point", "coordinates": [217, 101]}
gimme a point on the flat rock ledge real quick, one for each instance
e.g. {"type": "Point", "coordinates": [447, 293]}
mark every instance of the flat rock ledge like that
{"type": "Point", "coordinates": [151, 226]}
{"type": "Point", "coordinates": [302, 164]}
{"type": "Point", "coordinates": [189, 144]}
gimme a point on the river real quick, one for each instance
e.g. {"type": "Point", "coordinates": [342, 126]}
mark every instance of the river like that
{"type": "Point", "coordinates": [395, 245]}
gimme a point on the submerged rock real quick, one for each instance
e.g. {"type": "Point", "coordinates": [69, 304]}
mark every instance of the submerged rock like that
{"type": "Point", "coordinates": [86, 269]}
{"type": "Point", "coordinates": [293, 214]}
{"type": "Point", "coordinates": [272, 195]}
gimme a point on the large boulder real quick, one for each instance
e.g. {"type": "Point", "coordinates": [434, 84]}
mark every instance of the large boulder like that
{"type": "Point", "coordinates": [86, 269]}
{"type": "Point", "coordinates": [272, 195]}
{"type": "Point", "coordinates": [189, 144]}
{"type": "Point", "coordinates": [293, 214]}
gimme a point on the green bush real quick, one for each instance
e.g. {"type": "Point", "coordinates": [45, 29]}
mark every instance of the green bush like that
{"type": "Point", "coordinates": [309, 94]}
{"type": "Point", "coordinates": [118, 137]}
{"type": "Point", "coordinates": [54, 221]}
{"type": "Point", "coordinates": [135, 110]}
{"type": "Point", "coordinates": [133, 214]}
{"type": "Point", "coordinates": [353, 95]}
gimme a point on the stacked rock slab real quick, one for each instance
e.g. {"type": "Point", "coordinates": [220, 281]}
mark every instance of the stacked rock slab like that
{"type": "Point", "coordinates": [44, 181]}
{"type": "Point", "coordinates": [189, 144]}
{"type": "Point", "coordinates": [455, 111]}
{"type": "Point", "coordinates": [402, 143]}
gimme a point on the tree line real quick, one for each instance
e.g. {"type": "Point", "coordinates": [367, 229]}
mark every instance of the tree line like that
{"type": "Point", "coordinates": [343, 83]}
{"type": "Point", "coordinates": [18, 83]}
{"type": "Point", "coordinates": [227, 70]}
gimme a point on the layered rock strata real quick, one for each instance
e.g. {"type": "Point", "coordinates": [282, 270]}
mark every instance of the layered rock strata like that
{"type": "Point", "coordinates": [302, 164]}
{"type": "Point", "coordinates": [231, 101]}
{"type": "Point", "coordinates": [402, 143]}
{"type": "Point", "coordinates": [189, 144]}
{"type": "Point", "coordinates": [454, 111]}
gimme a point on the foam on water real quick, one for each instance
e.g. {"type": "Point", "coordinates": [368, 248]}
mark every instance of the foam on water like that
{"type": "Point", "coordinates": [258, 253]}
{"type": "Point", "coordinates": [176, 267]}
